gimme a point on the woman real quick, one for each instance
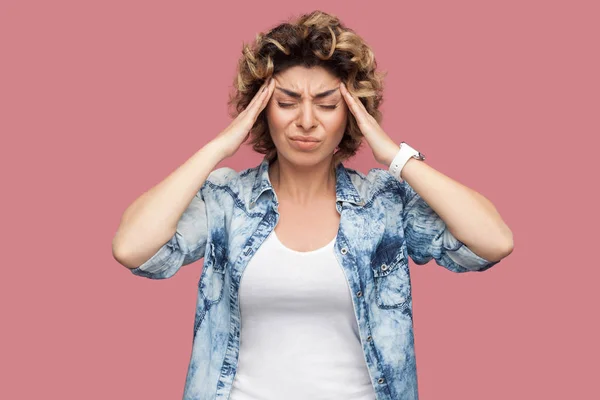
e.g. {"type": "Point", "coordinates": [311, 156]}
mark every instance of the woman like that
{"type": "Point", "coordinates": [323, 249]}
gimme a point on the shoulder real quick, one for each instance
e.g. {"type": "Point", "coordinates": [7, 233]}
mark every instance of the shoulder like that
{"type": "Point", "coordinates": [220, 179]}
{"type": "Point", "coordinates": [378, 182]}
{"type": "Point", "coordinates": [375, 181]}
{"type": "Point", "coordinates": [222, 176]}
{"type": "Point", "coordinates": [230, 180]}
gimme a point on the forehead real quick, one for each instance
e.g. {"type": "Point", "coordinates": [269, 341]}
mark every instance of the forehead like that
{"type": "Point", "coordinates": [307, 80]}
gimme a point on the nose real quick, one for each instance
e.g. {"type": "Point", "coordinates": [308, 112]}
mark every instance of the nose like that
{"type": "Point", "coordinates": [306, 118]}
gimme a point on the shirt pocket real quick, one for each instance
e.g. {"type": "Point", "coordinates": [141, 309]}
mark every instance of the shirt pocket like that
{"type": "Point", "coordinates": [392, 280]}
{"type": "Point", "coordinates": [213, 274]}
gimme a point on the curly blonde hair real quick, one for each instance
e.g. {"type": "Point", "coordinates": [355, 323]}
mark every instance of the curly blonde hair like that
{"type": "Point", "coordinates": [314, 39]}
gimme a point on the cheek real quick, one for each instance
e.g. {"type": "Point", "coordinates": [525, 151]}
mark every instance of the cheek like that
{"type": "Point", "coordinates": [277, 123]}
{"type": "Point", "coordinates": [336, 122]}
{"type": "Point", "coordinates": [277, 119]}
{"type": "Point", "coordinates": [271, 117]}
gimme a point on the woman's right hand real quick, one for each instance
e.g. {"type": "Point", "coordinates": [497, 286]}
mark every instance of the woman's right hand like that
{"type": "Point", "coordinates": [237, 132]}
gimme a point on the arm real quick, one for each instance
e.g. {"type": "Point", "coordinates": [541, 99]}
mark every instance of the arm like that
{"type": "Point", "coordinates": [441, 214]}
{"type": "Point", "coordinates": [469, 216]}
{"type": "Point", "coordinates": [167, 226]}
{"type": "Point", "coordinates": [152, 219]}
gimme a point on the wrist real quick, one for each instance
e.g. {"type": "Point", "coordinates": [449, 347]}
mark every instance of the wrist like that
{"type": "Point", "coordinates": [390, 154]}
{"type": "Point", "coordinates": [402, 158]}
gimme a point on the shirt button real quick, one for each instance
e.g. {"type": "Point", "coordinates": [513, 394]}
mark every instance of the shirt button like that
{"type": "Point", "coordinates": [358, 294]}
{"type": "Point", "coordinates": [369, 338]}
{"type": "Point", "coordinates": [344, 250]}
{"type": "Point", "coordinates": [381, 380]}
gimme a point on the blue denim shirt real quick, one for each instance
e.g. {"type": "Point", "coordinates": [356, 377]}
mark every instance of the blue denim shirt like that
{"type": "Point", "coordinates": [382, 222]}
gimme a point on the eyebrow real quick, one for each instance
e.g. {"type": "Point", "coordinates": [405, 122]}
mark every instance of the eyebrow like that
{"type": "Point", "coordinates": [299, 96]}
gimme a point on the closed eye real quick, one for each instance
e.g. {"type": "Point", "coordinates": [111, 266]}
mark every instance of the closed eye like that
{"type": "Point", "coordinates": [287, 105]}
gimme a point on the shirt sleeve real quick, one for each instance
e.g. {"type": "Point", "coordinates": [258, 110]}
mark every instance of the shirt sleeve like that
{"type": "Point", "coordinates": [184, 247]}
{"type": "Point", "coordinates": [427, 237]}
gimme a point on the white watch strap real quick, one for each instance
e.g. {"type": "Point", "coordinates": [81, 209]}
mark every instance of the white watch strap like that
{"type": "Point", "coordinates": [405, 153]}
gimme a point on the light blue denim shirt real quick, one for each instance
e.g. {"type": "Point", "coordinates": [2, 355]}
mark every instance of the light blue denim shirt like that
{"type": "Point", "coordinates": [382, 222]}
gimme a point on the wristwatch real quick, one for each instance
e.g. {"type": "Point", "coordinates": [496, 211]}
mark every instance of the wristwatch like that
{"type": "Point", "coordinates": [405, 153]}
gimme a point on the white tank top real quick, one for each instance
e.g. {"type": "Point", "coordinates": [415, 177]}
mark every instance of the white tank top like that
{"type": "Point", "coordinates": [299, 338]}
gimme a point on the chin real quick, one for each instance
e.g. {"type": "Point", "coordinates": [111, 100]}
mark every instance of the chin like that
{"type": "Point", "coordinates": [305, 159]}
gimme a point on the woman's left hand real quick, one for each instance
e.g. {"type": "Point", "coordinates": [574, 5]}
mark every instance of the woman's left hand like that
{"type": "Point", "coordinates": [383, 147]}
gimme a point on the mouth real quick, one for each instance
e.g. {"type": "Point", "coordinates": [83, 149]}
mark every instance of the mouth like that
{"type": "Point", "coordinates": [304, 139]}
{"type": "Point", "coordinates": [305, 144]}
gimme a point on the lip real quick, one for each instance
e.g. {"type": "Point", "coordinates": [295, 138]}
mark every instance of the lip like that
{"type": "Point", "coordinates": [304, 139]}
{"type": "Point", "coordinates": [305, 145]}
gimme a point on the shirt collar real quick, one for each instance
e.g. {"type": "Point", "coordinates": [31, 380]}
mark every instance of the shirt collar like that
{"type": "Point", "coordinates": [344, 188]}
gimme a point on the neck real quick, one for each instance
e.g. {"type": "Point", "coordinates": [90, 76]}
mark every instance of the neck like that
{"type": "Point", "coordinates": [302, 184]}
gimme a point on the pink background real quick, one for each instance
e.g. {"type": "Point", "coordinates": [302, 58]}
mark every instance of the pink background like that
{"type": "Point", "coordinates": [99, 101]}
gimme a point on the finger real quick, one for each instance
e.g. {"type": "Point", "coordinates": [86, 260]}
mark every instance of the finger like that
{"type": "Point", "coordinates": [257, 95]}
{"type": "Point", "coordinates": [353, 104]}
{"type": "Point", "coordinates": [350, 101]}
{"type": "Point", "coordinates": [269, 92]}
{"type": "Point", "coordinates": [262, 99]}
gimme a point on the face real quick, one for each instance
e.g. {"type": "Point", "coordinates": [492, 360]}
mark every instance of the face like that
{"type": "Point", "coordinates": [306, 114]}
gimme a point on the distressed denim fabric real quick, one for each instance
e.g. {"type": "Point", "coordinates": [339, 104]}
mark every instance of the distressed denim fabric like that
{"type": "Point", "coordinates": [383, 222]}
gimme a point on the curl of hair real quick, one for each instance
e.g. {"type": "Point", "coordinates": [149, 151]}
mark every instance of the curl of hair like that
{"type": "Point", "coordinates": [314, 39]}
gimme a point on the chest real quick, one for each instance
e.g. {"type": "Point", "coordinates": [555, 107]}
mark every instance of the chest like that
{"type": "Point", "coordinates": [307, 228]}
